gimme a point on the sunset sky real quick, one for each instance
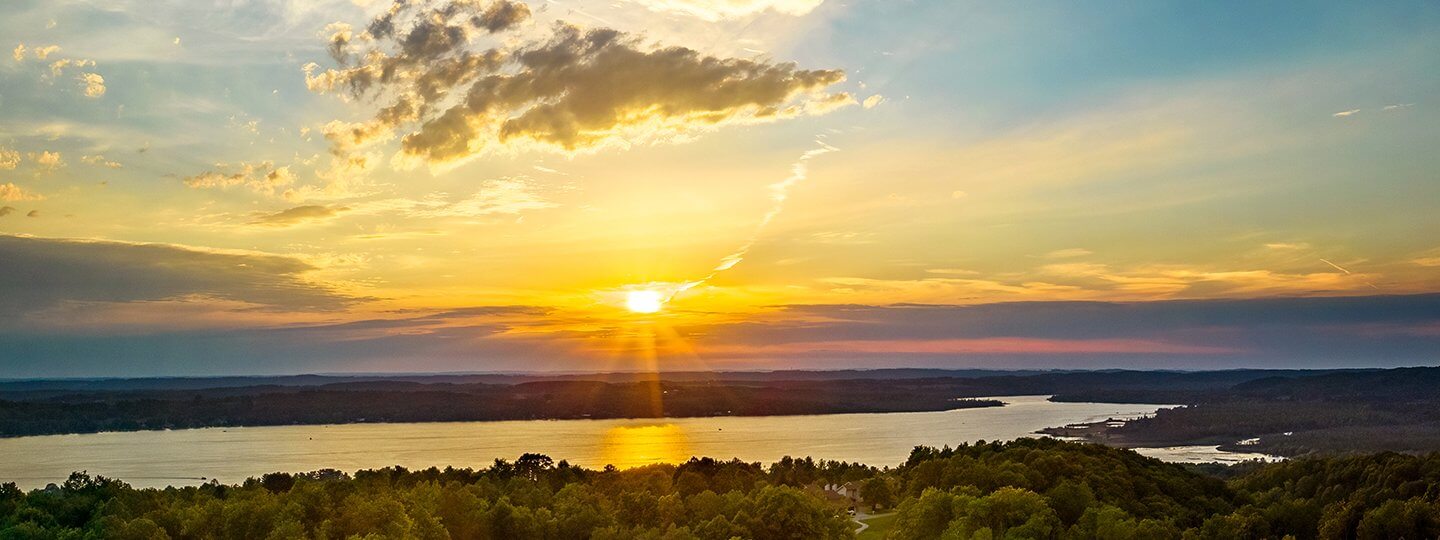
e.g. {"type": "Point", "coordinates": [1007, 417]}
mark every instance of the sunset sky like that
{"type": "Point", "coordinates": [285, 186]}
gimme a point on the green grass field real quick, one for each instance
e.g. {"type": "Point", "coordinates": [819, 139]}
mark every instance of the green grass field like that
{"type": "Point", "coordinates": [879, 527]}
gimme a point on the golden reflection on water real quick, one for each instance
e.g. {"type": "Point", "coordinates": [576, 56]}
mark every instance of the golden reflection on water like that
{"type": "Point", "coordinates": [645, 444]}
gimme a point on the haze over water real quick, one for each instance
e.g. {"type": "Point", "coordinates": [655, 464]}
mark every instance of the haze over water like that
{"type": "Point", "coordinates": [182, 457]}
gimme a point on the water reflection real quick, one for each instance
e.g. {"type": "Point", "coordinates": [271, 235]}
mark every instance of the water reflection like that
{"type": "Point", "coordinates": [645, 444]}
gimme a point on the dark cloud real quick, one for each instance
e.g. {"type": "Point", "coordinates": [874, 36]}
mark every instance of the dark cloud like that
{"type": "Point", "coordinates": [1090, 320]}
{"type": "Point", "coordinates": [297, 215]}
{"type": "Point", "coordinates": [6, 210]}
{"type": "Point", "coordinates": [36, 273]}
{"type": "Point", "coordinates": [1274, 332]}
{"type": "Point", "coordinates": [579, 89]}
{"type": "Point", "coordinates": [1372, 331]}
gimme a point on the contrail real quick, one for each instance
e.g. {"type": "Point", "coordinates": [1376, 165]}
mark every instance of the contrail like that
{"type": "Point", "coordinates": [1347, 272]}
{"type": "Point", "coordinates": [779, 191]}
{"type": "Point", "coordinates": [1337, 267]}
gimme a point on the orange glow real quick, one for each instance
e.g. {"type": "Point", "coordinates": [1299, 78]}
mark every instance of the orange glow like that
{"type": "Point", "coordinates": [634, 446]}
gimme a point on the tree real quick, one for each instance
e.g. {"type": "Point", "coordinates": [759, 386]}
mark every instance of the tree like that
{"type": "Point", "coordinates": [877, 493]}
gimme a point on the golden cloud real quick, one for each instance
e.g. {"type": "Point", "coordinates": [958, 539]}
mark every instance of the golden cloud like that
{"type": "Point", "coordinates": [12, 192]}
{"type": "Point", "coordinates": [577, 90]}
{"type": "Point", "coordinates": [263, 178]}
{"type": "Point", "coordinates": [298, 215]}
{"type": "Point", "coordinates": [94, 84]}
{"type": "Point", "coordinates": [47, 159]}
{"type": "Point", "coordinates": [100, 161]}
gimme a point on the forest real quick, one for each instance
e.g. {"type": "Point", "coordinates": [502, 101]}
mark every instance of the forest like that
{"type": "Point", "coordinates": [1352, 411]}
{"type": "Point", "coordinates": [43, 407]}
{"type": "Point", "coordinates": [1278, 412]}
{"type": "Point", "coordinates": [1029, 488]}
{"type": "Point", "coordinates": [47, 413]}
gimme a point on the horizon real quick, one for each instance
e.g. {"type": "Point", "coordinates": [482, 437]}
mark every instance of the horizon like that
{"type": "Point", "coordinates": [362, 186]}
{"type": "Point", "coordinates": [541, 374]}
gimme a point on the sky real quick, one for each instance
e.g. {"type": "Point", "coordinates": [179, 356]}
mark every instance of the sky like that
{"type": "Point", "coordinates": [202, 187]}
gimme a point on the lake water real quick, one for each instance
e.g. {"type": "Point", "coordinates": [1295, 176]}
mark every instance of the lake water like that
{"type": "Point", "coordinates": [160, 458]}
{"type": "Point", "coordinates": [1201, 454]}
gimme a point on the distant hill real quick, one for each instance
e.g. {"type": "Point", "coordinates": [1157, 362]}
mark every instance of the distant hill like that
{"type": "Point", "coordinates": [1187, 379]}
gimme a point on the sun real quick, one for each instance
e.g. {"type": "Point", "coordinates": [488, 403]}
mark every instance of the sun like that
{"type": "Point", "coordinates": [644, 301]}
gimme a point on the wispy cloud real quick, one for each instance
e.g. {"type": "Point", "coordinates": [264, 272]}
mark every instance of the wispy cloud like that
{"type": "Point", "coordinates": [510, 195]}
{"type": "Point", "coordinates": [298, 215]}
{"type": "Point", "coordinates": [1287, 246]}
{"type": "Point", "coordinates": [100, 161]}
{"type": "Point", "coordinates": [264, 177]}
{"type": "Point", "coordinates": [1068, 253]}
{"type": "Point", "coordinates": [779, 192]}
{"type": "Point", "coordinates": [1336, 266]}
{"type": "Point", "coordinates": [715, 10]}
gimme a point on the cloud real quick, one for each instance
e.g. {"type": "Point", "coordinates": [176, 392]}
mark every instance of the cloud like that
{"type": "Point", "coordinates": [1343, 114]}
{"type": "Point", "coordinates": [12, 192]}
{"type": "Point", "coordinates": [58, 67]}
{"type": "Point", "coordinates": [47, 159]}
{"type": "Point", "coordinates": [1276, 332]}
{"type": "Point", "coordinates": [1287, 246]}
{"type": "Point", "coordinates": [298, 215]}
{"type": "Point", "coordinates": [6, 210]}
{"type": "Point", "coordinates": [264, 177]}
{"type": "Point", "coordinates": [1397, 107]}
{"type": "Point", "coordinates": [1068, 253]}
{"type": "Point", "coordinates": [43, 272]}
{"type": "Point", "coordinates": [41, 52]}
{"type": "Point", "coordinates": [1093, 281]}
{"type": "Point", "coordinates": [33, 213]}
{"type": "Point", "coordinates": [873, 101]}
{"type": "Point", "coordinates": [9, 159]}
{"type": "Point", "coordinates": [1107, 320]}
{"type": "Point", "coordinates": [510, 195]}
{"type": "Point", "coordinates": [94, 84]}
{"type": "Point", "coordinates": [1075, 269]}
{"type": "Point", "coordinates": [779, 192]}
{"type": "Point", "coordinates": [715, 10]}
{"type": "Point", "coordinates": [952, 271]}
{"type": "Point", "coordinates": [100, 161]}
{"type": "Point", "coordinates": [579, 90]}
{"type": "Point", "coordinates": [974, 346]}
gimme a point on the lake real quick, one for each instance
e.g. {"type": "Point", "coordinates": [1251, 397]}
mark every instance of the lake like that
{"type": "Point", "coordinates": [181, 457]}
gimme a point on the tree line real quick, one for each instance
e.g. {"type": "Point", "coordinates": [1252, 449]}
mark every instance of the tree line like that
{"type": "Point", "coordinates": [1029, 488]}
